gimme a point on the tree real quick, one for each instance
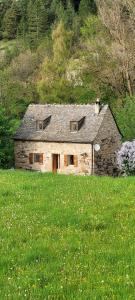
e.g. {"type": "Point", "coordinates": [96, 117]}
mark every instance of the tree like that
{"type": "Point", "coordinates": [125, 116]}
{"type": "Point", "coordinates": [23, 66]}
{"type": "Point", "coordinates": [126, 158]}
{"type": "Point", "coordinates": [4, 6]}
{"type": "Point", "coordinates": [23, 24]}
{"type": "Point", "coordinates": [119, 16]}
{"type": "Point", "coordinates": [11, 20]}
{"type": "Point", "coordinates": [69, 14]}
{"type": "Point", "coordinates": [98, 65]}
{"type": "Point", "coordinates": [53, 85]}
{"type": "Point", "coordinates": [63, 11]}
{"type": "Point", "coordinates": [62, 41]}
{"type": "Point", "coordinates": [15, 95]}
{"type": "Point", "coordinates": [87, 7]}
{"type": "Point", "coordinates": [58, 10]}
{"type": "Point", "coordinates": [7, 129]}
{"type": "Point", "coordinates": [37, 21]}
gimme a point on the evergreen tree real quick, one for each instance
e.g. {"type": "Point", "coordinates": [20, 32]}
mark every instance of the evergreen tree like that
{"type": "Point", "coordinates": [22, 28]}
{"type": "Point", "coordinates": [7, 129]}
{"type": "Point", "coordinates": [47, 5]}
{"type": "Point", "coordinates": [62, 41]}
{"type": "Point", "coordinates": [11, 21]}
{"type": "Point", "coordinates": [37, 21]}
{"type": "Point", "coordinates": [86, 7]}
{"type": "Point", "coordinates": [4, 6]}
{"type": "Point", "coordinates": [57, 8]}
{"type": "Point", "coordinates": [64, 11]}
{"type": "Point", "coordinates": [69, 14]}
{"type": "Point", "coordinates": [23, 25]}
{"type": "Point", "coordinates": [53, 85]}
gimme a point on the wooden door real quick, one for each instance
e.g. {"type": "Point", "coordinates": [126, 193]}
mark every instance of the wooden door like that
{"type": "Point", "coordinates": [55, 162]}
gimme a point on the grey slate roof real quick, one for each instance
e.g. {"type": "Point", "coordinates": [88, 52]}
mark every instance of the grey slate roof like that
{"type": "Point", "coordinates": [58, 129]}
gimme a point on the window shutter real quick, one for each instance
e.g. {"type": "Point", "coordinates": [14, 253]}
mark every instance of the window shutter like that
{"type": "Point", "coordinates": [75, 160]}
{"type": "Point", "coordinates": [65, 161]}
{"type": "Point", "coordinates": [31, 158]}
{"type": "Point", "coordinates": [41, 158]}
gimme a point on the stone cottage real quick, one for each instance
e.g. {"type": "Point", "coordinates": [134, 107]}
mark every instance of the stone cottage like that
{"type": "Point", "coordinates": [68, 139]}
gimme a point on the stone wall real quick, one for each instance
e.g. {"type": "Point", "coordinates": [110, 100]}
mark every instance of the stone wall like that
{"type": "Point", "coordinates": [83, 152]}
{"type": "Point", "coordinates": [109, 138]}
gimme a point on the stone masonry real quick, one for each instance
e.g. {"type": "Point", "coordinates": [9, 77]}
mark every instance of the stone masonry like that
{"type": "Point", "coordinates": [109, 139]}
{"type": "Point", "coordinates": [83, 152]}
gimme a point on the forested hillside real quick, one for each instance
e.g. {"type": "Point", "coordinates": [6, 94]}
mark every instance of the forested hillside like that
{"type": "Point", "coordinates": [65, 52]}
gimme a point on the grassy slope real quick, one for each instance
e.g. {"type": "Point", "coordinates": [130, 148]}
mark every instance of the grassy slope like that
{"type": "Point", "coordinates": [66, 237]}
{"type": "Point", "coordinates": [5, 45]}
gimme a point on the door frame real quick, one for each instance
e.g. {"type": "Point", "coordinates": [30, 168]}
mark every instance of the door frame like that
{"type": "Point", "coordinates": [55, 162]}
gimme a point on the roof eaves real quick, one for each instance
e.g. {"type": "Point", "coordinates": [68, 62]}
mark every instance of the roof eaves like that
{"type": "Point", "coordinates": [53, 141]}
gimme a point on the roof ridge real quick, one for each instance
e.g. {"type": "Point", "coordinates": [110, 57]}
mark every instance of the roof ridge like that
{"type": "Point", "coordinates": [55, 104]}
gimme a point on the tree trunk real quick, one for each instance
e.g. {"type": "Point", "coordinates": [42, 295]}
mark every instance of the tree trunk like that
{"type": "Point", "coordinates": [124, 82]}
{"type": "Point", "coordinates": [128, 83]}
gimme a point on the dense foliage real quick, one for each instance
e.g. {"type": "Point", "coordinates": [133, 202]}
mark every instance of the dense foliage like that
{"type": "Point", "coordinates": [67, 52]}
{"type": "Point", "coordinates": [7, 127]}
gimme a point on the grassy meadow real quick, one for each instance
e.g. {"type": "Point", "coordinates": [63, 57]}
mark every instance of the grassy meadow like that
{"type": "Point", "coordinates": [66, 237]}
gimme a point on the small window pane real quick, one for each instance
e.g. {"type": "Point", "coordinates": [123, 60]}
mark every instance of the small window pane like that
{"type": "Point", "coordinates": [73, 126]}
{"type": "Point", "coordinates": [36, 157]}
{"type": "Point", "coordinates": [39, 125]}
{"type": "Point", "coordinates": [70, 160]}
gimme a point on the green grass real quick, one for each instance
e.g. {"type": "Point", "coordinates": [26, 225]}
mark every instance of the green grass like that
{"type": "Point", "coordinates": [66, 237]}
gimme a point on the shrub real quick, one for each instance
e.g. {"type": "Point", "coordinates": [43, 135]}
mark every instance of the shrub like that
{"type": "Point", "coordinates": [8, 127]}
{"type": "Point", "coordinates": [125, 116]}
{"type": "Point", "coordinates": [126, 158]}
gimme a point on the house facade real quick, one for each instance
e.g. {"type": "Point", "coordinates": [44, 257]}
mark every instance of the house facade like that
{"type": "Point", "coordinates": [68, 139]}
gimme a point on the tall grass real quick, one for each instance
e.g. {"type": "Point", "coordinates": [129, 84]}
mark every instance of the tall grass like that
{"type": "Point", "coordinates": [66, 237]}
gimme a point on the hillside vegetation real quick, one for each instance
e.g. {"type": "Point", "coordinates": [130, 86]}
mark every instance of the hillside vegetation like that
{"type": "Point", "coordinates": [65, 52]}
{"type": "Point", "coordinates": [66, 237]}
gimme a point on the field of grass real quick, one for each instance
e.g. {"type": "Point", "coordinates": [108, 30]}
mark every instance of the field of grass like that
{"type": "Point", "coordinates": [66, 237]}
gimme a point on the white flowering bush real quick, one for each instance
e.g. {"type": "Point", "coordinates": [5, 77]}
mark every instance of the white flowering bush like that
{"type": "Point", "coordinates": [126, 158]}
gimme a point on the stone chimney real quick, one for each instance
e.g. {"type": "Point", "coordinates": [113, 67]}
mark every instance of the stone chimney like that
{"type": "Point", "coordinates": [97, 106]}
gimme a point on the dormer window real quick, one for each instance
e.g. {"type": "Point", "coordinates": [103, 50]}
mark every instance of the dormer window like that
{"type": "Point", "coordinates": [39, 125]}
{"type": "Point", "coordinates": [42, 124]}
{"type": "Point", "coordinates": [76, 125]}
{"type": "Point", "coordinates": [73, 126]}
